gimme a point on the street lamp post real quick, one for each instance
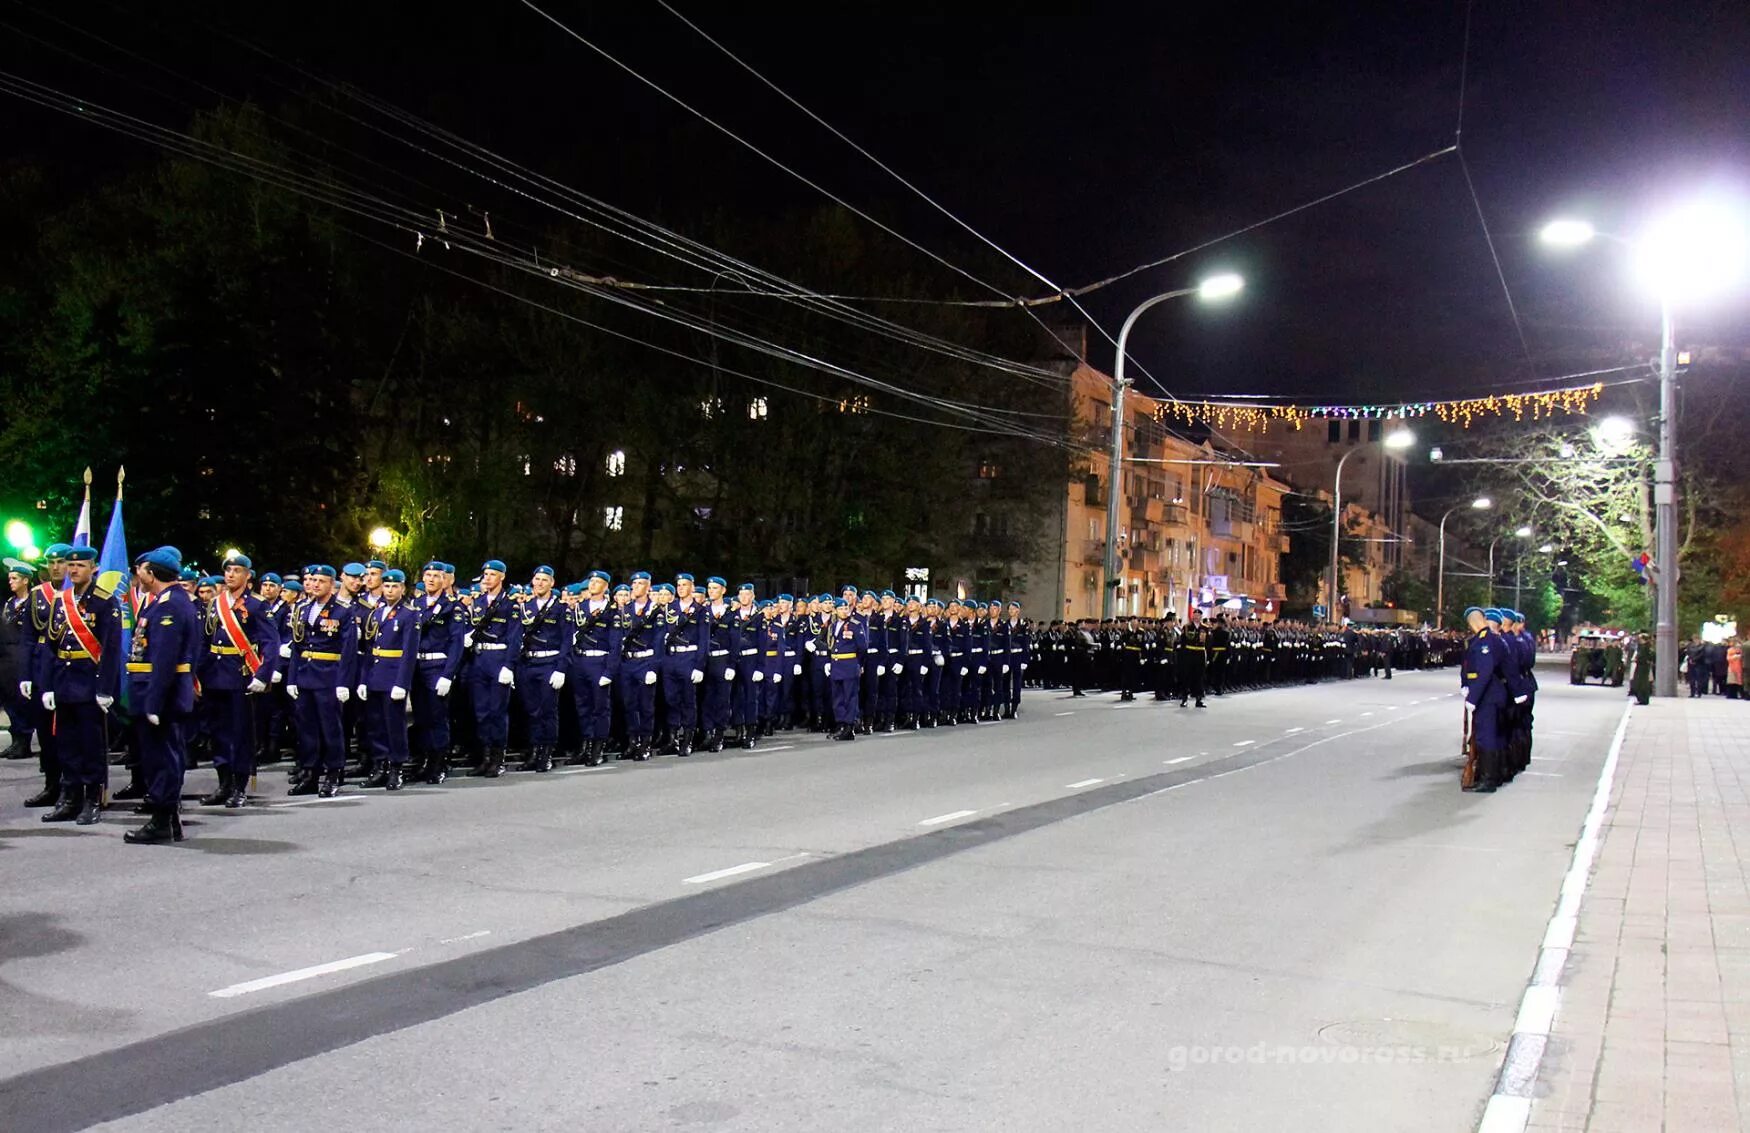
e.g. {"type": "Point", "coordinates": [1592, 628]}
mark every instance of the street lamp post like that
{"type": "Point", "coordinates": [1481, 503]}
{"type": "Point", "coordinates": [1400, 439]}
{"type": "Point", "coordinates": [1215, 287]}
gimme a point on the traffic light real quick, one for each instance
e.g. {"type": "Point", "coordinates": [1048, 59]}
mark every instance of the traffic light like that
{"type": "Point", "coordinates": [19, 535]}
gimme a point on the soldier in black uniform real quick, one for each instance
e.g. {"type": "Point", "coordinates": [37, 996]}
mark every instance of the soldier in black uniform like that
{"type": "Point", "coordinates": [1193, 659]}
{"type": "Point", "coordinates": [15, 652]}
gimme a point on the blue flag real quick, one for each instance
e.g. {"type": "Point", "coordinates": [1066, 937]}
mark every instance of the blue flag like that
{"type": "Point", "coordinates": [114, 577]}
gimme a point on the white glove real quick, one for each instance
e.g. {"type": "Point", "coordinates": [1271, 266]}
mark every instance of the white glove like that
{"type": "Point", "coordinates": [257, 686]}
{"type": "Point", "coordinates": [698, 676]}
{"type": "Point", "coordinates": [505, 676]}
{"type": "Point", "coordinates": [809, 645]}
{"type": "Point", "coordinates": [278, 676]}
{"type": "Point", "coordinates": [1023, 666]}
{"type": "Point", "coordinates": [937, 658]}
{"type": "Point", "coordinates": [364, 692]}
{"type": "Point", "coordinates": [292, 691]}
{"type": "Point", "coordinates": [963, 670]}
{"type": "Point", "coordinates": [103, 702]}
{"type": "Point", "coordinates": [556, 681]}
{"type": "Point", "coordinates": [343, 694]}
{"type": "Point", "coordinates": [442, 687]}
{"type": "Point", "coordinates": [796, 671]}
{"type": "Point", "coordinates": [982, 670]}
{"type": "Point", "coordinates": [605, 681]}
{"type": "Point", "coordinates": [24, 689]}
{"type": "Point", "coordinates": [759, 675]}
{"type": "Point", "coordinates": [728, 674]}
{"type": "Point", "coordinates": [1521, 699]}
{"type": "Point", "coordinates": [881, 670]}
{"type": "Point", "coordinates": [1006, 668]}
{"type": "Point", "coordinates": [650, 677]}
{"type": "Point", "coordinates": [49, 701]}
{"type": "Point", "coordinates": [777, 678]}
{"type": "Point", "coordinates": [468, 640]}
{"type": "Point", "coordinates": [286, 651]}
{"type": "Point", "coordinates": [397, 694]}
{"type": "Point", "coordinates": [152, 720]}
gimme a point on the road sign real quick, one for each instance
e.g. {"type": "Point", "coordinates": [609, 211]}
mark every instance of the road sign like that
{"type": "Point", "coordinates": [1318, 611]}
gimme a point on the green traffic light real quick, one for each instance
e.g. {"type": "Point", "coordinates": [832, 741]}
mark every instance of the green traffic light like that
{"type": "Point", "coordinates": [18, 535]}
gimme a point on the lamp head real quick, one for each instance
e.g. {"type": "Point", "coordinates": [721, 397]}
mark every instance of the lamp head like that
{"type": "Point", "coordinates": [1223, 286]}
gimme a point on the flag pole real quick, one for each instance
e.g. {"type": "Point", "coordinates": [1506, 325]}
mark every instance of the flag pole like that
{"type": "Point", "coordinates": [121, 473]}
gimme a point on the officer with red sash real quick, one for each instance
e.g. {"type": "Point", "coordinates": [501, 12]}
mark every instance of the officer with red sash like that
{"type": "Point", "coordinates": [167, 632]}
{"type": "Point", "coordinates": [243, 648]}
{"type": "Point", "coordinates": [79, 675]}
{"type": "Point", "coordinates": [388, 660]}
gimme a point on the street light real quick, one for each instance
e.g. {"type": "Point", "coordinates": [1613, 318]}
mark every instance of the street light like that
{"type": "Point", "coordinates": [382, 538]}
{"type": "Point", "coordinates": [19, 535]}
{"type": "Point", "coordinates": [1216, 287]}
{"type": "Point", "coordinates": [1687, 254]}
{"type": "Point", "coordinates": [1397, 440]}
{"type": "Point", "coordinates": [1524, 532]}
{"type": "Point", "coordinates": [1481, 503]}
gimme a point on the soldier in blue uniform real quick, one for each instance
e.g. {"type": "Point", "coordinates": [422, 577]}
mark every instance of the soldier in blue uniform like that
{"type": "Point", "coordinates": [241, 657]}
{"type": "Point", "coordinates": [440, 659]}
{"type": "Point", "coordinates": [995, 686]}
{"type": "Point", "coordinates": [40, 606]}
{"type": "Point", "coordinates": [1525, 647]}
{"type": "Point", "coordinates": [977, 663]}
{"type": "Point", "coordinates": [389, 648]}
{"type": "Point", "coordinates": [17, 650]}
{"type": "Point", "coordinates": [955, 642]}
{"type": "Point", "coordinates": [914, 664]}
{"type": "Point", "coordinates": [1020, 657]}
{"type": "Point", "coordinates": [1485, 695]}
{"type": "Point", "coordinates": [494, 637]}
{"type": "Point", "coordinates": [775, 657]}
{"type": "Point", "coordinates": [320, 675]}
{"type": "Point", "coordinates": [593, 655]}
{"type": "Point", "coordinates": [638, 625]}
{"type": "Point", "coordinates": [541, 667]}
{"type": "Point", "coordinates": [849, 641]}
{"type": "Point", "coordinates": [167, 633]}
{"type": "Point", "coordinates": [720, 664]}
{"type": "Point", "coordinates": [892, 662]}
{"type": "Point", "coordinates": [683, 661]}
{"type": "Point", "coordinates": [79, 675]}
{"type": "Point", "coordinates": [750, 673]}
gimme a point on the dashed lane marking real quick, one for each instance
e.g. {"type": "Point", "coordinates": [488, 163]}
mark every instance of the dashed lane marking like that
{"type": "Point", "coordinates": [949, 817]}
{"type": "Point", "coordinates": [720, 874]}
{"type": "Point", "coordinates": [301, 974]}
{"type": "Point", "coordinates": [1082, 783]}
{"type": "Point", "coordinates": [1245, 743]}
{"type": "Point", "coordinates": [1181, 759]}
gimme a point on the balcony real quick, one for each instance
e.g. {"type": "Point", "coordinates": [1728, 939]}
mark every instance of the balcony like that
{"type": "Point", "coordinates": [1175, 515]}
{"type": "Point", "coordinates": [1094, 551]}
{"type": "Point", "coordinates": [1236, 529]}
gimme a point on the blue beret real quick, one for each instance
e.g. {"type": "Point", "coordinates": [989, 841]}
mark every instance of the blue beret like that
{"type": "Point", "coordinates": [745, 586]}
{"type": "Point", "coordinates": [932, 601]}
{"type": "Point", "coordinates": [601, 574]}
{"type": "Point", "coordinates": [57, 551]}
{"type": "Point", "coordinates": [1015, 603]}
{"type": "Point", "coordinates": [394, 575]}
{"type": "Point", "coordinates": [377, 563]}
{"type": "Point", "coordinates": [294, 586]}
{"type": "Point", "coordinates": [664, 586]}
{"type": "Point", "coordinates": [239, 559]}
{"type": "Point", "coordinates": [574, 588]}
{"type": "Point", "coordinates": [189, 574]}
{"type": "Point", "coordinates": [493, 564]}
{"type": "Point", "coordinates": [640, 574]}
{"type": "Point", "coordinates": [622, 589]}
{"type": "Point", "coordinates": [1492, 614]}
{"type": "Point", "coordinates": [164, 557]}
{"type": "Point", "coordinates": [1514, 615]}
{"type": "Point", "coordinates": [353, 570]}
{"type": "Point", "coordinates": [211, 580]}
{"type": "Point", "coordinates": [824, 598]}
{"type": "Point", "coordinates": [81, 554]}
{"type": "Point", "coordinates": [322, 569]}
{"type": "Point", "coordinates": [434, 565]}
{"type": "Point", "coordinates": [270, 576]}
{"type": "Point", "coordinates": [715, 580]}
{"type": "Point", "coordinates": [786, 598]}
{"type": "Point", "coordinates": [546, 570]}
{"type": "Point", "coordinates": [763, 604]}
{"type": "Point", "coordinates": [888, 594]}
{"type": "Point", "coordinates": [18, 566]}
{"type": "Point", "coordinates": [684, 577]}
{"type": "Point", "coordinates": [840, 604]}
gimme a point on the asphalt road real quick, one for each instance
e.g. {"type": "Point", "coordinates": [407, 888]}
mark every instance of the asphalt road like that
{"type": "Point", "coordinates": [1279, 913]}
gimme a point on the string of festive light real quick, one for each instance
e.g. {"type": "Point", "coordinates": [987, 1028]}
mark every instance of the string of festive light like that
{"type": "Point", "coordinates": [1257, 417]}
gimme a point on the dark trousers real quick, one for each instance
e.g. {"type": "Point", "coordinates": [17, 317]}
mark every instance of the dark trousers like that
{"type": "Point", "coordinates": [491, 702]}
{"type": "Point", "coordinates": [386, 720]}
{"type": "Point", "coordinates": [230, 722]}
{"type": "Point", "coordinates": [1192, 671]}
{"type": "Point", "coordinates": [321, 738]}
{"type": "Point", "coordinates": [540, 701]}
{"type": "Point", "coordinates": [163, 750]}
{"type": "Point", "coordinates": [845, 686]}
{"type": "Point", "coordinates": [80, 744]}
{"type": "Point", "coordinates": [20, 720]}
{"type": "Point", "coordinates": [593, 700]}
{"type": "Point", "coordinates": [679, 702]}
{"type": "Point", "coordinates": [715, 694]}
{"type": "Point", "coordinates": [637, 697]}
{"type": "Point", "coordinates": [431, 714]}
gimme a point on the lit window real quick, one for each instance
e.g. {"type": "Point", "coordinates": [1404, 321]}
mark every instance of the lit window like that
{"type": "Point", "coordinates": [710, 406]}
{"type": "Point", "coordinates": [988, 470]}
{"type": "Point", "coordinates": [617, 462]}
{"type": "Point", "coordinates": [756, 409]}
{"type": "Point", "coordinates": [566, 465]}
{"type": "Point", "coordinates": [613, 518]}
{"type": "Point", "coordinates": [858, 404]}
{"type": "Point", "coordinates": [523, 459]}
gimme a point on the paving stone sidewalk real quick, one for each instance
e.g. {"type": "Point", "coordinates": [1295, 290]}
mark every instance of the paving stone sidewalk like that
{"type": "Point", "coordinates": [1653, 1028]}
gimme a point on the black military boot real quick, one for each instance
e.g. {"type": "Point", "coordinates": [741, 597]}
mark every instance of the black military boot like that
{"type": "Point", "coordinates": [437, 768]}
{"type": "Point", "coordinates": [68, 806]}
{"type": "Point", "coordinates": [51, 792]}
{"type": "Point", "coordinates": [158, 829]}
{"type": "Point", "coordinates": [846, 732]}
{"type": "Point", "coordinates": [925, 720]}
{"type": "Point", "coordinates": [134, 791]}
{"type": "Point", "coordinates": [642, 748]}
{"type": "Point", "coordinates": [493, 765]}
{"type": "Point", "coordinates": [330, 785]}
{"type": "Point", "coordinates": [395, 781]}
{"type": "Point", "coordinates": [532, 760]}
{"type": "Point", "coordinates": [303, 782]}
{"type": "Point", "coordinates": [543, 759]}
{"type": "Point", "coordinates": [380, 779]}
{"type": "Point", "coordinates": [91, 807]}
{"type": "Point", "coordinates": [220, 793]}
{"type": "Point", "coordinates": [750, 738]}
{"type": "Point", "coordinates": [17, 749]}
{"type": "Point", "coordinates": [684, 745]}
{"type": "Point", "coordinates": [239, 796]}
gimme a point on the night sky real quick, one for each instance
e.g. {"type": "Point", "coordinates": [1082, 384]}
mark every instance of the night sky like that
{"type": "Point", "coordinates": [1084, 139]}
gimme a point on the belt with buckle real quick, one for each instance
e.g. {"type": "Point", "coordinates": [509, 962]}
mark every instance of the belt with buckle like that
{"type": "Point", "coordinates": [490, 646]}
{"type": "Point", "coordinates": [226, 650]}
{"type": "Point", "coordinates": [434, 656]}
{"type": "Point", "coordinates": [719, 652]}
{"type": "Point", "coordinates": [321, 656]}
{"type": "Point", "coordinates": [750, 652]}
{"type": "Point", "coordinates": [771, 653]}
{"type": "Point", "coordinates": [594, 652]}
{"type": "Point", "coordinates": [914, 652]}
{"type": "Point", "coordinates": [640, 654]}
{"type": "Point", "coordinates": [387, 653]}
{"type": "Point", "coordinates": [540, 654]}
{"type": "Point", "coordinates": [844, 656]}
{"type": "Point", "coordinates": [146, 667]}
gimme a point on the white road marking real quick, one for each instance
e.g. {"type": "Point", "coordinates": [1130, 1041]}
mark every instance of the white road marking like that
{"type": "Point", "coordinates": [1181, 759]}
{"type": "Point", "coordinates": [1082, 783]}
{"type": "Point", "coordinates": [581, 770]}
{"type": "Point", "coordinates": [301, 974]}
{"type": "Point", "coordinates": [314, 801]}
{"type": "Point", "coordinates": [1544, 774]}
{"type": "Point", "coordinates": [1367, 713]}
{"type": "Point", "coordinates": [1391, 708]}
{"type": "Point", "coordinates": [1291, 731]}
{"type": "Point", "coordinates": [1245, 743]}
{"type": "Point", "coordinates": [720, 874]}
{"type": "Point", "coordinates": [470, 936]}
{"type": "Point", "coordinates": [1338, 720]}
{"type": "Point", "coordinates": [1065, 713]}
{"type": "Point", "coordinates": [949, 817]}
{"type": "Point", "coordinates": [778, 747]}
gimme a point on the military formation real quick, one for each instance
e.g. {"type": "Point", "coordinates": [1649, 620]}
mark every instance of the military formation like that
{"type": "Point", "coordinates": [416, 679]}
{"type": "Point", "coordinates": [1500, 694]}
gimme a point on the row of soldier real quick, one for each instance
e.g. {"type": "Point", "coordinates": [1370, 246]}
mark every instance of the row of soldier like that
{"type": "Point", "coordinates": [1500, 697]}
